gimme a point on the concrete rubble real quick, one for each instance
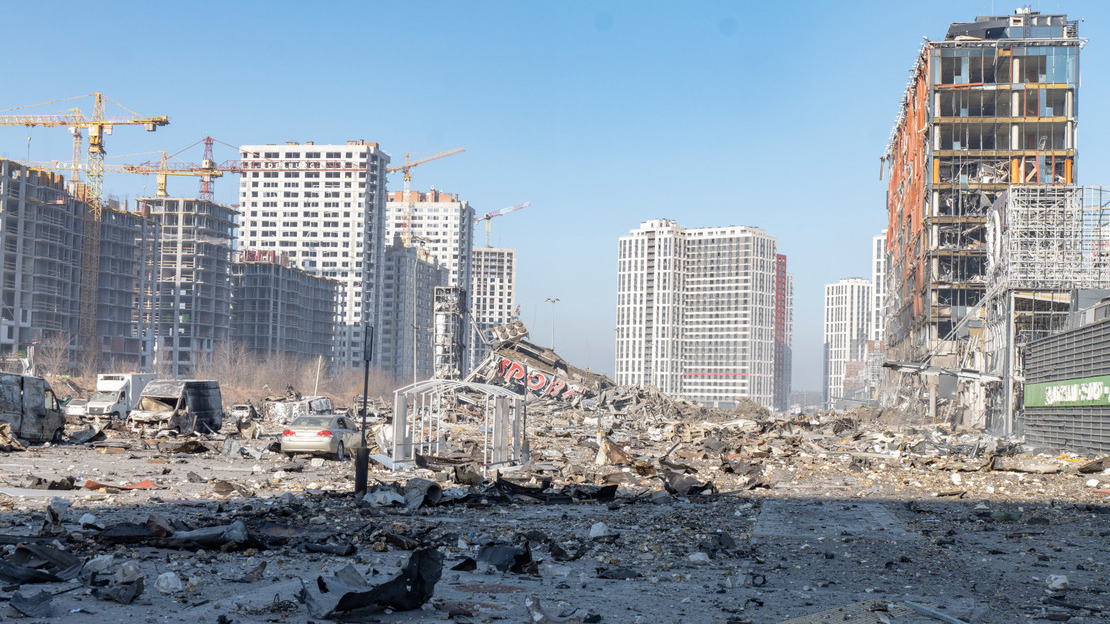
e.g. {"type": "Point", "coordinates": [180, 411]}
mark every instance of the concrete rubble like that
{"type": "Point", "coordinates": [633, 507]}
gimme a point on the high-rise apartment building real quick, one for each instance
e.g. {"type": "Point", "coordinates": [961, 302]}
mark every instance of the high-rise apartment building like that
{"type": "Point", "coordinates": [193, 305]}
{"type": "Point", "coordinates": [493, 295]}
{"type": "Point", "coordinates": [878, 288]}
{"type": "Point", "coordinates": [42, 243]}
{"type": "Point", "coordinates": [410, 277]}
{"type": "Point", "coordinates": [992, 105]}
{"type": "Point", "coordinates": [443, 223]}
{"type": "Point", "coordinates": [696, 311]}
{"type": "Point", "coordinates": [323, 206]}
{"type": "Point", "coordinates": [847, 325]}
{"type": "Point", "coordinates": [784, 321]}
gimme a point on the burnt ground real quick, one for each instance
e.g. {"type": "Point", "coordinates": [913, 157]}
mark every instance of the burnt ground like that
{"type": "Point", "coordinates": [812, 533]}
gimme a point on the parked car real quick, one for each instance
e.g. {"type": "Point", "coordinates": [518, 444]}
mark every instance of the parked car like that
{"type": "Point", "coordinates": [77, 408]}
{"type": "Point", "coordinates": [330, 434]}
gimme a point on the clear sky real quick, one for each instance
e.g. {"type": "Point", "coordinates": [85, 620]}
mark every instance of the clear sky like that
{"type": "Point", "coordinates": [602, 114]}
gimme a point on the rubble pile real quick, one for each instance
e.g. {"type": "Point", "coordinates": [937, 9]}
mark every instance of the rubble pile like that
{"type": "Point", "coordinates": [633, 506]}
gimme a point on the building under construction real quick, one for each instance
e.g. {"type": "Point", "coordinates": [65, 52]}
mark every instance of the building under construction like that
{"type": "Point", "coordinates": [278, 309]}
{"type": "Point", "coordinates": [42, 251]}
{"type": "Point", "coordinates": [985, 142]}
{"type": "Point", "coordinates": [192, 310]}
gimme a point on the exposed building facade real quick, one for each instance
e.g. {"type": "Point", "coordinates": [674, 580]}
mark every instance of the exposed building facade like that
{"type": "Point", "coordinates": [41, 240]}
{"type": "Point", "coordinates": [324, 206]}
{"type": "Point", "coordinates": [493, 295]}
{"type": "Point", "coordinates": [991, 107]}
{"type": "Point", "coordinates": [846, 330]}
{"type": "Point", "coordinates": [279, 309]}
{"type": "Point", "coordinates": [192, 309]}
{"type": "Point", "coordinates": [696, 312]}
{"type": "Point", "coordinates": [406, 336]}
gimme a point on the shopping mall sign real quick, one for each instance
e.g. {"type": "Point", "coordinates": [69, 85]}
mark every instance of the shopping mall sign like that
{"type": "Point", "coordinates": [1069, 392]}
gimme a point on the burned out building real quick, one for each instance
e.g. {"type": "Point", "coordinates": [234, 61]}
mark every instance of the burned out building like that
{"type": "Point", "coordinates": [989, 118]}
{"type": "Point", "coordinates": [279, 309]}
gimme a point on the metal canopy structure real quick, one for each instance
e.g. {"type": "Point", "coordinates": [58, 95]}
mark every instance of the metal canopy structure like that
{"type": "Point", "coordinates": [419, 408]}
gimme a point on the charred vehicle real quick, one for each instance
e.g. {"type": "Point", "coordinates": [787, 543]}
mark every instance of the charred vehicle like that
{"type": "Point", "coordinates": [184, 406]}
{"type": "Point", "coordinates": [29, 405]}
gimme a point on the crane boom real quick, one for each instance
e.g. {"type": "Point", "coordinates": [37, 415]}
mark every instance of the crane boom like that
{"type": "Point", "coordinates": [499, 213]}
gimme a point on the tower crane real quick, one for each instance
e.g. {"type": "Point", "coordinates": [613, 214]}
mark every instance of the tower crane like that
{"type": "Point", "coordinates": [97, 125]}
{"type": "Point", "coordinates": [163, 167]}
{"type": "Point", "coordinates": [206, 170]}
{"type": "Point", "coordinates": [498, 213]}
{"type": "Point", "coordinates": [406, 228]}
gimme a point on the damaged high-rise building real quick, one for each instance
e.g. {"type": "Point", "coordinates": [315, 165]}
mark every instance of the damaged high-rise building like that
{"type": "Point", "coordinates": [983, 156]}
{"type": "Point", "coordinates": [697, 311]}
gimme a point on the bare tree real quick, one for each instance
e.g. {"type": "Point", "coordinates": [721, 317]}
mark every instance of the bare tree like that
{"type": "Point", "coordinates": [53, 355]}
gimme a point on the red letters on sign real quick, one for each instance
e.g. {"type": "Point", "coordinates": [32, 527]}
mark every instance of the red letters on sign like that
{"type": "Point", "coordinates": [536, 381]}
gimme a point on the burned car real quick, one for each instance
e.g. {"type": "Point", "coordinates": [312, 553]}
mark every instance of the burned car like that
{"type": "Point", "coordinates": [184, 406]}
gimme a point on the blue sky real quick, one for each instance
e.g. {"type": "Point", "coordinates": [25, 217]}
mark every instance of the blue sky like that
{"type": "Point", "coordinates": [602, 114]}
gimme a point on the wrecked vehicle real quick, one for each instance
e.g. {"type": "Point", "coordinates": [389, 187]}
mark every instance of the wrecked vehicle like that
{"type": "Point", "coordinates": [185, 406]}
{"type": "Point", "coordinates": [243, 413]}
{"type": "Point", "coordinates": [29, 405]}
{"type": "Point", "coordinates": [286, 409]}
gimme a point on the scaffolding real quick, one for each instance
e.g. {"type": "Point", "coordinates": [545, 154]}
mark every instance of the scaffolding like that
{"type": "Point", "coordinates": [1046, 243]}
{"type": "Point", "coordinates": [1051, 238]}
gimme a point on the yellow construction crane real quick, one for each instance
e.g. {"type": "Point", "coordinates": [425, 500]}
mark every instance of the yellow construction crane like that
{"type": "Point", "coordinates": [207, 170]}
{"type": "Point", "coordinates": [97, 125]}
{"type": "Point", "coordinates": [406, 229]}
{"type": "Point", "coordinates": [159, 169]}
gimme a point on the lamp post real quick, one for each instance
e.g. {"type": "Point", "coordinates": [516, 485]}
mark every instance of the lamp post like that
{"type": "Point", "coordinates": [553, 302]}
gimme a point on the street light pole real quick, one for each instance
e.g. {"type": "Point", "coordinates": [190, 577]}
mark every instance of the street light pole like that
{"type": "Point", "coordinates": [553, 302]}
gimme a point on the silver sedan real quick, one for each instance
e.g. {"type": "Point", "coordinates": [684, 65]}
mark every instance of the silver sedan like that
{"type": "Point", "coordinates": [330, 434]}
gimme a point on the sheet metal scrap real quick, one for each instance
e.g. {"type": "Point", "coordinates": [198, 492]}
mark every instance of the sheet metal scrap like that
{"type": "Point", "coordinates": [347, 594]}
